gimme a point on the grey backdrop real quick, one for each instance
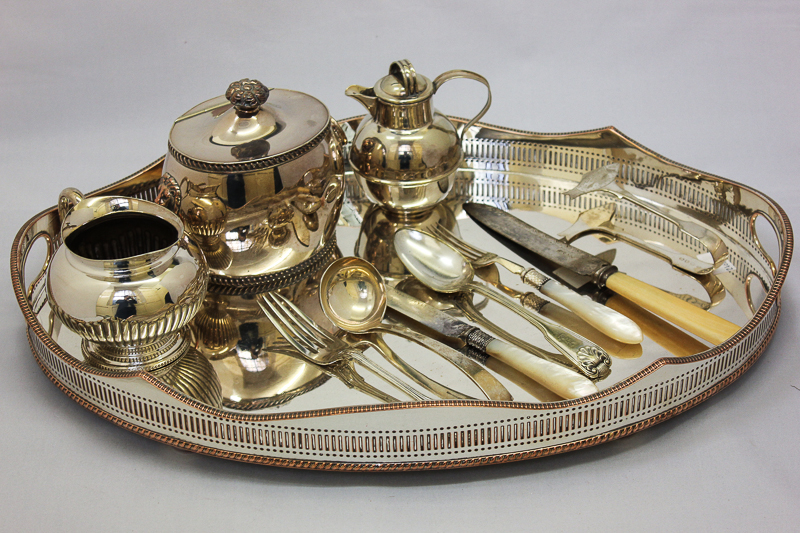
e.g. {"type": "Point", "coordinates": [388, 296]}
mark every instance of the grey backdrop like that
{"type": "Point", "coordinates": [88, 92]}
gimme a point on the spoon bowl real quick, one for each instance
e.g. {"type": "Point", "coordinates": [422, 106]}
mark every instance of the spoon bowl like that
{"type": "Point", "coordinates": [434, 263]}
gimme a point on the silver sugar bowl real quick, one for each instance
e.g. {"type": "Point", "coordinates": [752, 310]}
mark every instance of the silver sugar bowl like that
{"type": "Point", "coordinates": [126, 280]}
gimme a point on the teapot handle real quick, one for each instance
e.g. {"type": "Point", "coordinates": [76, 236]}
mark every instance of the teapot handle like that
{"type": "Point", "coordinates": [453, 74]}
{"type": "Point", "coordinates": [69, 198]}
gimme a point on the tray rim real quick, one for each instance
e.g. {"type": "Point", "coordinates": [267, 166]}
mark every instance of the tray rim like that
{"type": "Point", "coordinates": [772, 298]}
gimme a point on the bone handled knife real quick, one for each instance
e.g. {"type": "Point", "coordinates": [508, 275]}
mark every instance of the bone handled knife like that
{"type": "Point", "coordinates": [705, 325]}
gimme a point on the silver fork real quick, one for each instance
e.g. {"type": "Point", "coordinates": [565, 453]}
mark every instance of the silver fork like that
{"type": "Point", "coordinates": [605, 319]}
{"type": "Point", "coordinates": [329, 353]}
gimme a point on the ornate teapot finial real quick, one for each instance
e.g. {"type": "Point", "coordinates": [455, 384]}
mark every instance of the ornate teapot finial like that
{"type": "Point", "coordinates": [247, 96]}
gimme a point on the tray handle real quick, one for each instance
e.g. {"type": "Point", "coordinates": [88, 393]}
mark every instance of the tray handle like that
{"type": "Point", "coordinates": [50, 250]}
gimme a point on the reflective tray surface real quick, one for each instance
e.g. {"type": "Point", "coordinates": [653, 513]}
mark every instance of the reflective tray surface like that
{"type": "Point", "coordinates": [278, 410]}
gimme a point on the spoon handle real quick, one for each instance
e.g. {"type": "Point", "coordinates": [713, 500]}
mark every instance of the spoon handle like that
{"type": "Point", "coordinates": [591, 359]}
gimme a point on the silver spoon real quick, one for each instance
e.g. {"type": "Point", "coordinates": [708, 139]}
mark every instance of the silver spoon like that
{"type": "Point", "coordinates": [353, 297]}
{"type": "Point", "coordinates": [442, 268]}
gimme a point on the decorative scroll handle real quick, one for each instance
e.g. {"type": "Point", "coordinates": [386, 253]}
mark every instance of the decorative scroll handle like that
{"type": "Point", "coordinates": [453, 74]}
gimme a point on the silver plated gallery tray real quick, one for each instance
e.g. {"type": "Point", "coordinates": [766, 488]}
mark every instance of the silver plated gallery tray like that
{"type": "Point", "coordinates": [277, 411]}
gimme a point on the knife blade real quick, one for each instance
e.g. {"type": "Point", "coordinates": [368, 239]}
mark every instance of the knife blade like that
{"type": "Point", "coordinates": [561, 380]}
{"type": "Point", "coordinates": [705, 325]}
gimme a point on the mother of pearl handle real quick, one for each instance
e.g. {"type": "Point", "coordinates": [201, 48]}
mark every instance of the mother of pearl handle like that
{"type": "Point", "coordinates": [614, 324]}
{"type": "Point", "coordinates": [562, 381]}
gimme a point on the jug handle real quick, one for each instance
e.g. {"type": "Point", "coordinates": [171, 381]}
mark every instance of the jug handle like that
{"type": "Point", "coordinates": [454, 74]}
{"type": "Point", "coordinates": [69, 198]}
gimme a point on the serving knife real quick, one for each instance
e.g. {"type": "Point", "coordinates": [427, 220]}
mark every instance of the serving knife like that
{"type": "Point", "coordinates": [705, 325]}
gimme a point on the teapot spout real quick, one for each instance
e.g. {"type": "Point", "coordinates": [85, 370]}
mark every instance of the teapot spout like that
{"type": "Point", "coordinates": [365, 95]}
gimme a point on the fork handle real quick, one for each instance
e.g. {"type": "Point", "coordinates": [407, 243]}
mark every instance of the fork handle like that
{"type": "Point", "coordinates": [347, 374]}
{"type": "Point", "coordinates": [364, 361]}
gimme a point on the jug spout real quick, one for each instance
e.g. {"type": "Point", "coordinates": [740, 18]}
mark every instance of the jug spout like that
{"type": "Point", "coordinates": [365, 95]}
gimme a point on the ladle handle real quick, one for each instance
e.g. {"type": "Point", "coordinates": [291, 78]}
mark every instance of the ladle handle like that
{"type": "Point", "coordinates": [489, 385]}
{"type": "Point", "coordinates": [421, 379]}
{"type": "Point", "coordinates": [364, 361]}
{"type": "Point", "coordinates": [453, 74]}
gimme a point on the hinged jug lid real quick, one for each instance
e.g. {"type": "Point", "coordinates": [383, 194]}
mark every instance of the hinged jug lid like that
{"type": "Point", "coordinates": [249, 127]}
{"type": "Point", "coordinates": [403, 85]}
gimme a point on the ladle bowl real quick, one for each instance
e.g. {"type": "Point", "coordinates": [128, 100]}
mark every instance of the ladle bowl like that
{"type": "Point", "coordinates": [353, 295]}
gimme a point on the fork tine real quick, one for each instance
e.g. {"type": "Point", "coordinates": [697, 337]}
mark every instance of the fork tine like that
{"type": "Point", "coordinates": [279, 320]}
{"type": "Point", "coordinates": [299, 321]}
{"type": "Point", "coordinates": [449, 237]}
{"type": "Point", "coordinates": [303, 320]}
{"type": "Point", "coordinates": [291, 316]}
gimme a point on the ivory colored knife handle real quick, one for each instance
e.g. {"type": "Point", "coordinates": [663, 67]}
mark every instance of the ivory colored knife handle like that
{"type": "Point", "coordinates": [562, 381]}
{"type": "Point", "coordinates": [705, 325]}
{"type": "Point", "coordinates": [604, 319]}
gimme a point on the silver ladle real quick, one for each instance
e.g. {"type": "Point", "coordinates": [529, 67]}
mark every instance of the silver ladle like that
{"type": "Point", "coordinates": [443, 269]}
{"type": "Point", "coordinates": [353, 297]}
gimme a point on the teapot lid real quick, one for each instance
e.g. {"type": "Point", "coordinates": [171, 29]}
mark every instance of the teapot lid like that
{"type": "Point", "coordinates": [249, 127]}
{"type": "Point", "coordinates": [403, 85]}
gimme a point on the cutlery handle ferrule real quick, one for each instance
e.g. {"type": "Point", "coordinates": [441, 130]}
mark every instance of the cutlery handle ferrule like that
{"type": "Point", "coordinates": [534, 278]}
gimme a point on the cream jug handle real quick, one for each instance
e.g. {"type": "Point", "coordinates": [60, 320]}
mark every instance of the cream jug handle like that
{"type": "Point", "coordinates": [453, 74]}
{"type": "Point", "coordinates": [69, 198]}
